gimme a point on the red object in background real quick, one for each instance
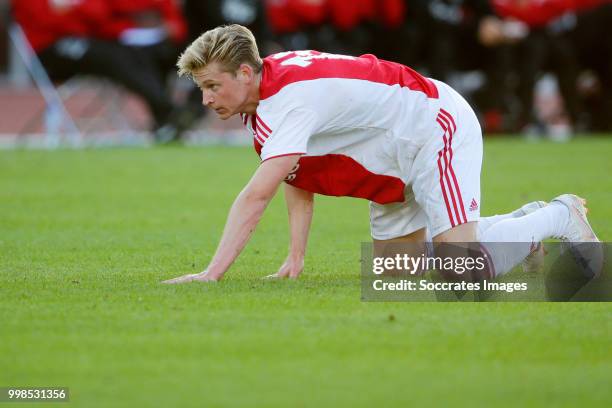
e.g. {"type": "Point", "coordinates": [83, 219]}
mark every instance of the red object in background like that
{"type": "Point", "coordinates": [493, 121]}
{"type": "Point", "coordinates": [392, 13]}
{"type": "Point", "coordinates": [123, 16]}
{"type": "Point", "coordinates": [311, 12]}
{"type": "Point", "coordinates": [289, 16]}
{"type": "Point", "coordinates": [537, 13]}
{"type": "Point", "coordinates": [44, 23]}
{"type": "Point", "coordinates": [346, 15]}
{"type": "Point", "coordinates": [279, 18]}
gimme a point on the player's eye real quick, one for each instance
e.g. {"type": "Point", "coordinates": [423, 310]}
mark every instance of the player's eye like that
{"type": "Point", "coordinates": [209, 87]}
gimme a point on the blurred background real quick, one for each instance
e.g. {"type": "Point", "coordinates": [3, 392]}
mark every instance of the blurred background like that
{"type": "Point", "coordinates": [101, 72]}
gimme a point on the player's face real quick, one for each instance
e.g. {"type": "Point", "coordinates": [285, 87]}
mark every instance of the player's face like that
{"type": "Point", "coordinates": [224, 92]}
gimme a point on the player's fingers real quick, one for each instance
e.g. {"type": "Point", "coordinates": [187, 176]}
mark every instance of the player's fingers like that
{"type": "Point", "coordinates": [294, 274]}
{"type": "Point", "coordinates": [284, 272]}
{"type": "Point", "coordinates": [273, 276]}
{"type": "Point", "coordinates": [203, 278]}
{"type": "Point", "coordinates": [170, 281]}
{"type": "Point", "coordinates": [180, 279]}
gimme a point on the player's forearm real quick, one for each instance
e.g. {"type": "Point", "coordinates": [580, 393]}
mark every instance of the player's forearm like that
{"type": "Point", "coordinates": [300, 206]}
{"type": "Point", "coordinates": [241, 222]}
{"type": "Point", "coordinates": [300, 229]}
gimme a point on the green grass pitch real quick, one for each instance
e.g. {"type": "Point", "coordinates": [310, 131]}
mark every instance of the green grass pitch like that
{"type": "Point", "coordinates": [86, 237]}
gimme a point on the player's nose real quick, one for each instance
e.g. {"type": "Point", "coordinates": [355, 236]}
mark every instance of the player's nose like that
{"type": "Point", "coordinates": [207, 100]}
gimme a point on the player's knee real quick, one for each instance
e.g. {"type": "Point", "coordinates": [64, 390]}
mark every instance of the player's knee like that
{"type": "Point", "coordinates": [401, 251]}
{"type": "Point", "coordinates": [467, 232]}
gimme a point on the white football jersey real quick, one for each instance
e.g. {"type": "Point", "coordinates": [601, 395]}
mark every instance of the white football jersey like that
{"type": "Point", "coordinates": [354, 120]}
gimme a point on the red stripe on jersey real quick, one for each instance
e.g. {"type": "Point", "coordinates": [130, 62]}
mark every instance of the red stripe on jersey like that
{"type": "Point", "coordinates": [309, 65]}
{"type": "Point", "coordinates": [452, 171]}
{"type": "Point", "coordinates": [452, 132]}
{"type": "Point", "coordinates": [261, 131]}
{"type": "Point", "coordinates": [461, 206]}
{"type": "Point", "coordinates": [449, 117]}
{"type": "Point", "coordinates": [263, 124]}
{"type": "Point", "coordinates": [341, 176]}
{"type": "Point", "coordinates": [447, 165]}
{"type": "Point", "coordinates": [259, 138]}
{"type": "Point", "coordinates": [450, 128]}
{"type": "Point", "coordinates": [258, 146]}
{"type": "Point", "coordinates": [443, 188]}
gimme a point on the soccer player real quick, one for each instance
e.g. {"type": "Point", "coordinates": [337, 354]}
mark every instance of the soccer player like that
{"type": "Point", "coordinates": [361, 127]}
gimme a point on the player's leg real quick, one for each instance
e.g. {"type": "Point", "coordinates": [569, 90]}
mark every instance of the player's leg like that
{"type": "Point", "coordinates": [564, 218]}
{"type": "Point", "coordinates": [414, 237]}
{"type": "Point", "coordinates": [467, 232]}
{"type": "Point", "coordinates": [534, 261]}
{"type": "Point", "coordinates": [484, 223]}
{"type": "Point", "coordinates": [450, 195]}
{"type": "Point", "coordinates": [398, 228]}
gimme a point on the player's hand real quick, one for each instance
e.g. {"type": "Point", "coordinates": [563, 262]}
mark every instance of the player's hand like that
{"type": "Point", "coordinates": [290, 269]}
{"type": "Point", "coordinates": [193, 277]}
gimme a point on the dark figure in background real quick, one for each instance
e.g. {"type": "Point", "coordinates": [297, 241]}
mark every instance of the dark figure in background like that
{"type": "Point", "coordinates": [68, 38]}
{"type": "Point", "coordinates": [202, 15]}
{"type": "Point", "coordinates": [593, 26]}
{"type": "Point", "coordinates": [465, 35]}
{"type": "Point", "coordinates": [548, 47]}
{"type": "Point", "coordinates": [452, 28]}
{"type": "Point", "coordinates": [154, 28]}
{"type": "Point", "coordinates": [566, 38]}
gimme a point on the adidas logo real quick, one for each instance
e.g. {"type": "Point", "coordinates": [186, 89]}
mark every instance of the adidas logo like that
{"type": "Point", "coordinates": [473, 205]}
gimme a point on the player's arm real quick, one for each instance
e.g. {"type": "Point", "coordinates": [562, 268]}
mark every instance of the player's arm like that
{"type": "Point", "coordinates": [300, 205]}
{"type": "Point", "coordinates": [244, 215]}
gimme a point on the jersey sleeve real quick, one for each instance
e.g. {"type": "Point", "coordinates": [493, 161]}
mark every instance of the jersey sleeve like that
{"type": "Point", "coordinates": [291, 135]}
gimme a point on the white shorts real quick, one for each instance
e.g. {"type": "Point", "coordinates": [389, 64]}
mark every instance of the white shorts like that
{"type": "Point", "coordinates": [443, 187]}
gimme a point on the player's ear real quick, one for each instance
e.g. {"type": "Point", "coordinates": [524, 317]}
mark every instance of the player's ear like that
{"type": "Point", "coordinates": [246, 72]}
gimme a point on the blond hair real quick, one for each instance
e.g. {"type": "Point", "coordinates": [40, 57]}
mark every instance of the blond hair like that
{"type": "Point", "coordinates": [229, 45]}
